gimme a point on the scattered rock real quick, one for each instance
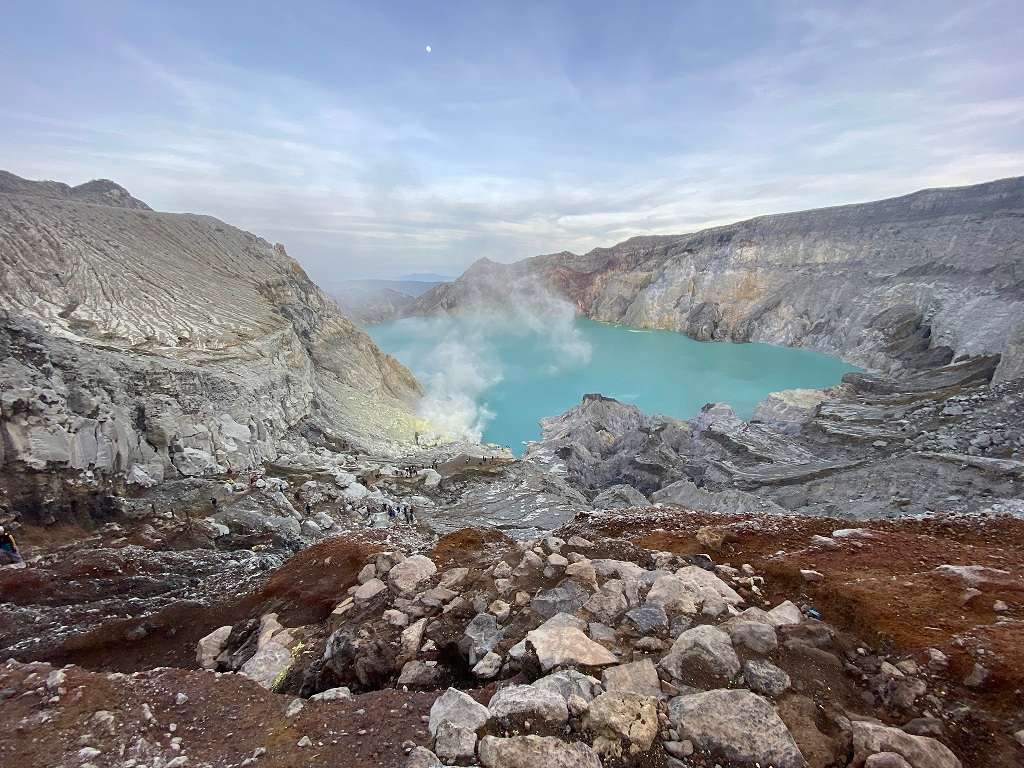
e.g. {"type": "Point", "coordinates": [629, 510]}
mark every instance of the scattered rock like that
{"type": "Point", "coordinates": [704, 653]}
{"type": "Point", "coordinates": [622, 723]}
{"type": "Point", "coordinates": [458, 708]}
{"type": "Point", "coordinates": [535, 752]}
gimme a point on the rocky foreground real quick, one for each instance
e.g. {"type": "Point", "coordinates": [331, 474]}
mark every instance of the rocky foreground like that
{"type": "Point", "coordinates": [645, 637]}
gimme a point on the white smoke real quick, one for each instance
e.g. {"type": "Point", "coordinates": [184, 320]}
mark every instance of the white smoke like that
{"type": "Point", "coordinates": [457, 359]}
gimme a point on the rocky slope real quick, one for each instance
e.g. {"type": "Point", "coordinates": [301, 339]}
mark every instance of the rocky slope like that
{"type": "Point", "coordinates": [891, 285]}
{"type": "Point", "coordinates": [154, 345]}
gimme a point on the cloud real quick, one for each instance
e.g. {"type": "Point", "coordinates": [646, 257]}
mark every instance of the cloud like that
{"type": "Point", "coordinates": [521, 133]}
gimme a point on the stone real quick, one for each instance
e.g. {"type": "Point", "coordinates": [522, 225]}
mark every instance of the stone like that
{"type": "Point", "coordinates": [752, 635]}
{"type": "Point", "coordinates": [396, 618]}
{"type": "Point", "coordinates": [210, 647]}
{"type": "Point", "coordinates": [500, 610]}
{"type": "Point", "coordinates": [886, 760]}
{"type": "Point", "coordinates": [406, 577]}
{"type": "Point", "coordinates": [562, 646]}
{"type": "Point", "coordinates": [674, 594]}
{"type": "Point", "coordinates": [535, 752]}
{"type": "Point", "coordinates": [765, 678]}
{"type": "Point", "coordinates": [619, 497]}
{"type": "Point", "coordinates": [784, 614]}
{"type": "Point", "coordinates": [555, 560]}
{"type": "Point", "coordinates": [420, 674]}
{"type": "Point", "coordinates": [639, 677]}
{"type": "Point", "coordinates": [707, 583]}
{"type": "Point", "coordinates": [925, 726]}
{"type": "Point", "coordinates": [919, 751]}
{"type": "Point", "coordinates": [649, 618]}
{"type": "Point", "coordinates": [455, 578]}
{"type": "Point", "coordinates": [582, 571]}
{"type": "Point", "coordinates": [702, 654]}
{"type": "Point", "coordinates": [578, 542]}
{"type": "Point", "coordinates": [622, 723]}
{"type": "Point", "coordinates": [569, 683]}
{"type": "Point", "coordinates": [332, 694]}
{"type": "Point", "coordinates": [735, 727]}
{"type": "Point", "coordinates": [273, 654]}
{"type": "Point", "coordinates": [455, 744]}
{"type": "Point", "coordinates": [458, 708]}
{"type": "Point", "coordinates": [600, 632]}
{"type": "Point", "coordinates": [488, 667]}
{"type": "Point", "coordinates": [606, 605]}
{"type": "Point", "coordinates": [567, 597]}
{"type": "Point", "coordinates": [977, 677]}
{"type": "Point", "coordinates": [368, 572]}
{"type": "Point", "coordinates": [502, 570]}
{"type": "Point", "coordinates": [411, 639]}
{"type": "Point", "coordinates": [480, 637]}
{"type": "Point", "coordinates": [369, 590]}
{"type": "Point", "coordinates": [530, 564]}
{"type": "Point", "coordinates": [515, 704]}
{"type": "Point", "coordinates": [421, 757]}
{"type": "Point", "coordinates": [811, 577]}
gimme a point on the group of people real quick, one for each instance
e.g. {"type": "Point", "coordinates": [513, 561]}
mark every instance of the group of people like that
{"type": "Point", "coordinates": [393, 509]}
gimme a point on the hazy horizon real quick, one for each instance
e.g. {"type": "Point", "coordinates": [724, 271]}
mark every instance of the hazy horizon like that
{"type": "Point", "coordinates": [525, 129]}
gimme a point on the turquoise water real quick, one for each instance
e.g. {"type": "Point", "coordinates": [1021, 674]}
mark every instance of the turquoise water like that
{"type": "Point", "coordinates": [496, 381]}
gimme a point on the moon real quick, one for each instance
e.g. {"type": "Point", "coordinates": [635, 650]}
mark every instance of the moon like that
{"type": "Point", "coordinates": [429, 49]}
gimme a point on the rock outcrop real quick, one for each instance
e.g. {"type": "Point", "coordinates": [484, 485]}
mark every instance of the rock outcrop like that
{"type": "Point", "coordinates": [893, 285]}
{"type": "Point", "coordinates": [153, 345]}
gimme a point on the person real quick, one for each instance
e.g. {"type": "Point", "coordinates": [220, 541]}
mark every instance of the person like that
{"type": "Point", "coordinates": [8, 548]}
{"type": "Point", "coordinates": [213, 503]}
{"type": "Point", "coordinates": [392, 512]}
{"type": "Point", "coordinates": [410, 515]}
{"type": "Point", "coordinates": [309, 509]}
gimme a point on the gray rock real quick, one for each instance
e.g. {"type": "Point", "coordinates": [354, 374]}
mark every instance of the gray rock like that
{"type": "Point", "coordinates": [421, 757]}
{"type": "Point", "coordinates": [516, 704]}
{"type": "Point", "coordinates": [568, 683]}
{"type": "Point", "coordinates": [675, 594]}
{"type": "Point", "coordinates": [919, 751]}
{"type": "Point", "coordinates": [420, 674]}
{"type": "Point", "coordinates": [567, 646]}
{"type": "Point", "coordinates": [647, 619]}
{"type": "Point", "coordinates": [209, 647]}
{"type": "Point", "coordinates": [752, 635]}
{"type": "Point", "coordinates": [407, 577]}
{"type": "Point", "coordinates": [536, 751]}
{"type": "Point", "coordinates": [567, 597]}
{"type": "Point", "coordinates": [488, 667]}
{"type": "Point", "coordinates": [765, 678]}
{"type": "Point", "coordinates": [480, 637]}
{"type": "Point", "coordinates": [621, 723]}
{"type": "Point", "coordinates": [702, 654]}
{"type": "Point", "coordinates": [458, 708]}
{"type": "Point", "coordinates": [607, 605]}
{"type": "Point", "coordinates": [455, 744]}
{"type": "Point", "coordinates": [735, 726]}
{"type": "Point", "coordinates": [639, 677]}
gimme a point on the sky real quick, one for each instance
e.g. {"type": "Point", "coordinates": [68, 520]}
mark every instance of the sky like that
{"type": "Point", "coordinates": [529, 127]}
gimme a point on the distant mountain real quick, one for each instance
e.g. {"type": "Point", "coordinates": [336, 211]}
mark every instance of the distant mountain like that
{"type": "Point", "coordinates": [377, 301]}
{"type": "Point", "coordinates": [427, 277]}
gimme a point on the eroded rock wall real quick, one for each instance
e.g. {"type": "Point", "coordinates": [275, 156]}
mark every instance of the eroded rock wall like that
{"type": "Point", "coordinates": [893, 285]}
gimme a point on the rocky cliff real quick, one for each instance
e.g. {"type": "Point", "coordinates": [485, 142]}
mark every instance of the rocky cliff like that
{"type": "Point", "coordinates": [892, 285]}
{"type": "Point", "coordinates": [159, 345]}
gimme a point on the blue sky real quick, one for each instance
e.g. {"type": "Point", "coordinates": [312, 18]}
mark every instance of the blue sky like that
{"type": "Point", "coordinates": [531, 127]}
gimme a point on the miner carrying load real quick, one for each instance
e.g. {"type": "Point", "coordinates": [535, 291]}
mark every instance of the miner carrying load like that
{"type": "Point", "coordinates": [9, 554]}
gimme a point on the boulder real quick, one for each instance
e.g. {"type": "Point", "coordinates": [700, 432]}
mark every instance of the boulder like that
{"type": "Point", "coordinates": [421, 757]}
{"type": "Point", "coordinates": [702, 654]}
{"type": "Point", "coordinates": [784, 614]}
{"type": "Point", "coordinates": [273, 654]}
{"type": "Point", "coordinates": [480, 637]}
{"type": "Point", "coordinates": [515, 704]}
{"type": "Point", "coordinates": [567, 597]}
{"type": "Point", "coordinates": [919, 751]}
{"type": "Point", "coordinates": [649, 618]}
{"type": "Point", "coordinates": [407, 576]}
{"type": "Point", "coordinates": [674, 594]}
{"type": "Point", "coordinates": [886, 760]}
{"type": "Point", "coordinates": [536, 752]}
{"type": "Point", "coordinates": [706, 583]}
{"type": "Point", "coordinates": [420, 674]}
{"type": "Point", "coordinates": [369, 590]}
{"type": "Point", "coordinates": [736, 727]}
{"type": "Point", "coordinates": [622, 723]}
{"type": "Point", "coordinates": [569, 683]}
{"type": "Point", "coordinates": [639, 677]}
{"type": "Point", "coordinates": [567, 646]}
{"type": "Point", "coordinates": [583, 572]}
{"type": "Point", "coordinates": [412, 639]}
{"type": "Point", "coordinates": [455, 744]}
{"type": "Point", "coordinates": [458, 708]}
{"type": "Point", "coordinates": [607, 605]}
{"type": "Point", "coordinates": [765, 678]}
{"type": "Point", "coordinates": [489, 666]}
{"type": "Point", "coordinates": [332, 694]}
{"type": "Point", "coordinates": [752, 635]}
{"type": "Point", "coordinates": [209, 647]}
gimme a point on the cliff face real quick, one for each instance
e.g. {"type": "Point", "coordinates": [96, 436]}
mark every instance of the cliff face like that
{"type": "Point", "coordinates": [893, 285]}
{"type": "Point", "coordinates": [159, 344]}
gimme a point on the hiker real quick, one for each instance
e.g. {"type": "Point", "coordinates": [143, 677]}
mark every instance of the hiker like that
{"type": "Point", "coordinates": [392, 512]}
{"type": "Point", "coordinates": [309, 509]}
{"type": "Point", "coordinates": [410, 515]}
{"type": "Point", "coordinates": [9, 554]}
{"type": "Point", "coordinates": [213, 503]}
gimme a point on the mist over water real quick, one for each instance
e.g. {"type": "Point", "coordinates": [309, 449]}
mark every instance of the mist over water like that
{"type": "Point", "coordinates": [493, 376]}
